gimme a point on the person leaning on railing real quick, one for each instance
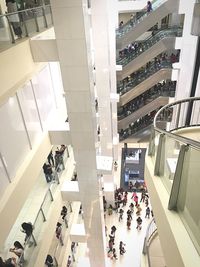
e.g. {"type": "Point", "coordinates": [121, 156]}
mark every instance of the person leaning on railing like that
{"type": "Point", "coordinates": [14, 18]}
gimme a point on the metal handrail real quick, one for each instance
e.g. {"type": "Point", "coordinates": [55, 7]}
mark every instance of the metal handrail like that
{"type": "Point", "coordinates": [25, 15]}
{"type": "Point", "coordinates": [184, 140]}
{"type": "Point", "coordinates": [24, 10]}
{"type": "Point", "coordinates": [147, 44]}
{"type": "Point", "coordinates": [129, 25]}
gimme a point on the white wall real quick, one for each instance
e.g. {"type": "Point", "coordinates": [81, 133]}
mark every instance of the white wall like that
{"type": "Point", "coordinates": [188, 52]}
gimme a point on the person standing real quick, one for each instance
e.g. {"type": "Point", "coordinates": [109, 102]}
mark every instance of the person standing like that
{"type": "Point", "coordinates": [69, 261]}
{"type": "Point", "coordinates": [147, 215]}
{"type": "Point", "coordinates": [139, 223]}
{"type": "Point", "coordinates": [27, 228]}
{"type": "Point", "coordinates": [121, 212]}
{"type": "Point", "coordinates": [51, 159]}
{"type": "Point", "coordinates": [18, 250]}
{"type": "Point", "coordinates": [59, 233]}
{"type": "Point", "coordinates": [14, 18]}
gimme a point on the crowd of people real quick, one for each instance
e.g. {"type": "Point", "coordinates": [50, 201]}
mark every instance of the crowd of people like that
{"type": "Point", "coordinates": [164, 88]}
{"type": "Point", "coordinates": [140, 124]}
{"type": "Point", "coordinates": [161, 61]}
{"type": "Point", "coordinates": [145, 121]}
{"type": "Point", "coordinates": [54, 162]}
{"type": "Point", "coordinates": [132, 207]}
{"type": "Point", "coordinates": [136, 48]}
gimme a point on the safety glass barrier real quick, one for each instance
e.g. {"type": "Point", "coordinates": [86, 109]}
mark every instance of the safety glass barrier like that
{"type": "Point", "coordinates": [121, 31]}
{"type": "Point", "coordinates": [42, 214]}
{"type": "Point", "coordinates": [24, 23]}
{"type": "Point", "coordinates": [177, 160]}
{"type": "Point", "coordinates": [153, 145]}
{"type": "Point", "coordinates": [189, 197]}
{"type": "Point", "coordinates": [168, 160]}
{"type": "Point", "coordinates": [134, 50]}
{"type": "Point", "coordinates": [142, 74]}
{"type": "Point", "coordinates": [165, 89]}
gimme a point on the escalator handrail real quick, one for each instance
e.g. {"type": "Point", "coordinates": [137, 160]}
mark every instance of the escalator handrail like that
{"type": "Point", "coordinates": [173, 32]}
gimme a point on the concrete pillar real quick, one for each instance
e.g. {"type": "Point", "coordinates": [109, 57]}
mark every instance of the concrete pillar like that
{"type": "Point", "coordinates": [72, 29]}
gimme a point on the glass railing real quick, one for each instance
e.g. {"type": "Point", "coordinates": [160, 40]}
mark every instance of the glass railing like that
{"type": "Point", "coordinates": [43, 211]}
{"type": "Point", "coordinates": [166, 90]}
{"type": "Point", "coordinates": [128, 54]}
{"type": "Point", "coordinates": [24, 23]}
{"type": "Point", "coordinates": [141, 75]}
{"type": "Point", "coordinates": [175, 152]}
{"type": "Point", "coordinates": [120, 32]}
{"type": "Point", "coordinates": [150, 234]}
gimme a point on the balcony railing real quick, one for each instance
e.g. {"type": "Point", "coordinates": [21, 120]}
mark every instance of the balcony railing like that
{"type": "Point", "coordinates": [175, 152]}
{"type": "Point", "coordinates": [150, 233]}
{"type": "Point", "coordinates": [24, 23]}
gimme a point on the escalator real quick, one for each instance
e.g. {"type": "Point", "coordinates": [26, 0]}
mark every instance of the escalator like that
{"type": "Point", "coordinates": [141, 129]}
{"type": "Point", "coordinates": [133, 29]}
{"type": "Point", "coordinates": [144, 110]}
{"type": "Point", "coordinates": [135, 57]}
{"type": "Point", "coordinates": [142, 80]}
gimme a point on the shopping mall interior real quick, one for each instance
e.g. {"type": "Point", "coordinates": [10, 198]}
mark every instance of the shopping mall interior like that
{"type": "Point", "coordinates": [99, 133]}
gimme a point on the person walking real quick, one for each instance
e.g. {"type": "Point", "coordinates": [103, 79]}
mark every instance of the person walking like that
{"type": "Point", "coordinates": [113, 230]}
{"type": "Point", "coordinates": [149, 7]}
{"type": "Point", "coordinates": [147, 215]}
{"type": "Point", "coordinates": [63, 212]}
{"type": "Point", "coordinates": [128, 223]}
{"type": "Point", "coordinates": [139, 223]}
{"type": "Point", "coordinates": [121, 248]}
{"type": "Point", "coordinates": [121, 212]}
{"type": "Point", "coordinates": [138, 211]}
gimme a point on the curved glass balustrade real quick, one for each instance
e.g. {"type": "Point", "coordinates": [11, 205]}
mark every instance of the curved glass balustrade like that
{"type": "Point", "coordinates": [134, 50]}
{"type": "Point", "coordinates": [167, 89]}
{"type": "Point", "coordinates": [142, 74]}
{"type": "Point", "coordinates": [175, 152]}
{"type": "Point", "coordinates": [120, 32]}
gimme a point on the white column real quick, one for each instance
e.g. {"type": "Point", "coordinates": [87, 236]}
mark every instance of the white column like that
{"type": "Point", "coordinates": [72, 27]}
{"type": "Point", "coordinates": [102, 65]}
{"type": "Point", "coordinates": [103, 19]}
